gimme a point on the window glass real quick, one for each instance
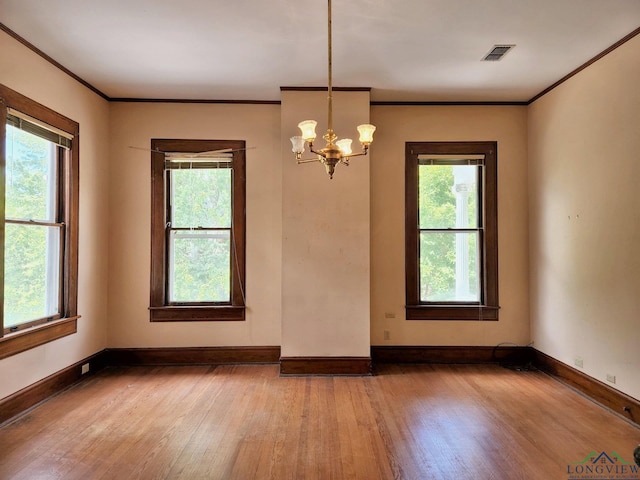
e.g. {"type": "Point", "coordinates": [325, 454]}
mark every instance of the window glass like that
{"type": "Point", "coordinates": [449, 267]}
{"type": "Point", "coordinates": [200, 235]}
{"type": "Point", "coordinates": [31, 177]}
{"type": "Point", "coordinates": [32, 252]}
{"type": "Point", "coordinates": [448, 196]}
{"type": "Point", "coordinates": [201, 197]}
{"type": "Point", "coordinates": [200, 266]}
{"type": "Point", "coordinates": [448, 200]}
{"type": "Point", "coordinates": [32, 273]}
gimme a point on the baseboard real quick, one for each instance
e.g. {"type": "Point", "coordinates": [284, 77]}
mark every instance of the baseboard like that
{"type": "Point", "coordinates": [26, 398]}
{"type": "Point", "coordinates": [359, 366]}
{"type": "Point", "coordinates": [192, 355]}
{"type": "Point", "coordinates": [607, 396]}
{"type": "Point", "coordinates": [451, 354]}
{"type": "Point", "coordinates": [600, 392]}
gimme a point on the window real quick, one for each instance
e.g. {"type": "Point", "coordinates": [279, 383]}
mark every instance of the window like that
{"type": "Point", "coordinates": [451, 231]}
{"type": "Point", "coordinates": [197, 230]}
{"type": "Point", "coordinates": [39, 222]}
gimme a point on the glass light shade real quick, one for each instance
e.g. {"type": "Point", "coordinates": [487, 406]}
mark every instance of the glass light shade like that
{"type": "Point", "coordinates": [297, 143]}
{"type": "Point", "coordinates": [308, 129]}
{"type": "Point", "coordinates": [366, 133]}
{"type": "Point", "coordinates": [345, 146]}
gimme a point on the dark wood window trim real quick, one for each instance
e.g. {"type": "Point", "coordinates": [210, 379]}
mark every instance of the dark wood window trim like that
{"type": "Point", "coordinates": [45, 330]}
{"type": "Point", "coordinates": [487, 308]}
{"type": "Point", "coordinates": [39, 335]}
{"type": "Point", "coordinates": [160, 310]}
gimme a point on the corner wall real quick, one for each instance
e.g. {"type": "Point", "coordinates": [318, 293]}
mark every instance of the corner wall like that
{"type": "Point", "coordinates": [27, 73]}
{"type": "Point", "coordinates": [584, 210]}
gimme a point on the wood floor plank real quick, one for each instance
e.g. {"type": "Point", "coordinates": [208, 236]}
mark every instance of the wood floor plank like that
{"type": "Point", "coordinates": [245, 422]}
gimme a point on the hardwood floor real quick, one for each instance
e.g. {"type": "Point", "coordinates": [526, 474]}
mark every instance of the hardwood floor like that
{"type": "Point", "coordinates": [246, 422]}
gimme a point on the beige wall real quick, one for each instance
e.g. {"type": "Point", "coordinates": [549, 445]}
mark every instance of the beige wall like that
{"type": "Point", "coordinates": [134, 125]}
{"type": "Point", "coordinates": [325, 234]}
{"type": "Point", "coordinates": [397, 125]}
{"type": "Point", "coordinates": [30, 75]}
{"type": "Point", "coordinates": [584, 172]}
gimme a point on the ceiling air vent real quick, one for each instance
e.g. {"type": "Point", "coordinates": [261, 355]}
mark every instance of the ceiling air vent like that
{"type": "Point", "coordinates": [497, 52]}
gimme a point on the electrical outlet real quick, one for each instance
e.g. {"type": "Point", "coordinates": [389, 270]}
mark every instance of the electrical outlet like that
{"type": "Point", "coordinates": [578, 362]}
{"type": "Point", "coordinates": [389, 315]}
{"type": "Point", "coordinates": [611, 378]}
{"type": "Point", "coordinates": [85, 368]}
{"type": "Point", "coordinates": [387, 335]}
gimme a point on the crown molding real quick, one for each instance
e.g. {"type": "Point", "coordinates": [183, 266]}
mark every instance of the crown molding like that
{"type": "Point", "coordinates": [186, 100]}
{"type": "Point", "coordinates": [53, 62]}
{"type": "Point", "coordinates": [585, 65]}
{"type": "Point", "coordinates": [448, 104]}
{"type": "Point", "coordinates": [324, 89]}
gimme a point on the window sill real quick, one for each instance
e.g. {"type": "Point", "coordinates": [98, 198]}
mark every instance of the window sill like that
{"type": "Point", "coordinates": [197, 314]}
{"type": "Point", "coordinates": [23, 340]}
{"type": "Point", "coordinates": [452, 312]}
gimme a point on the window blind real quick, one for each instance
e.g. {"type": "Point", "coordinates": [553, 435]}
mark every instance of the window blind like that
{"type": "Point", "coordinates": [430, 159]}
{"type": "Point", "coordinates": [175, 160]}
{"type": "Point", "coordinates": [40, 129]}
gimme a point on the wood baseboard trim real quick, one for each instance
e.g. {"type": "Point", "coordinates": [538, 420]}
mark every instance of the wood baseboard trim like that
{"type": "Point", "coordinates": [354, 366]}
{"type": "Point", "coordinates": [192, 355]}
{"type": "Point", "coordinates": [507, 354]}
{"type": "Point", "coordinates": [596, 390]}
{"type": "Point", "coordinates": [22, 400]}
{"type": "Point", "coordinates": [28, 397]}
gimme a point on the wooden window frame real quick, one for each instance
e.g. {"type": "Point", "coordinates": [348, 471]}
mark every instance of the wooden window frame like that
{"type": "Point", "coordinates": [487, 308]}
{"type": "Point", "coordinates": [35, 333]}
{"type": "Point", "coordinates": [159, 308]}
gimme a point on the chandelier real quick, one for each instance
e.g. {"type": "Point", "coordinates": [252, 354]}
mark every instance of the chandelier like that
{"type": "Point", "coordinates": [335, 151]}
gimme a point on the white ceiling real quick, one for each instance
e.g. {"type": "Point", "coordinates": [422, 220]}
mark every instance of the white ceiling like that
{"type": "Point", "coordinates": [405, 50]}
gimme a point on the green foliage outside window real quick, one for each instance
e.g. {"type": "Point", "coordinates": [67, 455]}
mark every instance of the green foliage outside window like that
{"type": "Point", "coordinates": [201, 197]}
{"type": "Point", "coordinates": [31, 251]}
{"type": "Point", "coordinates": [437, 210]}
{"type": "Point", "coordinates": [201, 258]}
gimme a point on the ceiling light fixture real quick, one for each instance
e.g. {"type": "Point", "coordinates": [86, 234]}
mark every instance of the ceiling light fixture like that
{"type": "Point", "coordinates": [335, 151]}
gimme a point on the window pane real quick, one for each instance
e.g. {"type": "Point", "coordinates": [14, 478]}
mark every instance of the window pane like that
{"type": "Point", "coordinates": [448, 267]}
{"type": "Point", "coordinates": [447, 196]}
{"type": "Point", "coordinates": [200, 266]}
{"type": "Point", "coordinates": [32, 273]}
{"type": "Point", "coordinates": [31, 176]}
{"type": "Point", "coordinates": [201, 198]}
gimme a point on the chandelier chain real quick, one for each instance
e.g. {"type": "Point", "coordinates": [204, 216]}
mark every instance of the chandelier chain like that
{"type": "Point", "coordinates": [330, 70]}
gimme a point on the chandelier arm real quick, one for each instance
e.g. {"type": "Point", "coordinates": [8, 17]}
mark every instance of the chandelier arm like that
{"type": "Point", "coordinates": [360, 154]}
{"type": "Point", "coordinates": [308, 160]}
{"type": "Point", "coordinates": [314, 151]}
{"type": "Point", "coordinates": [347, 157]}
